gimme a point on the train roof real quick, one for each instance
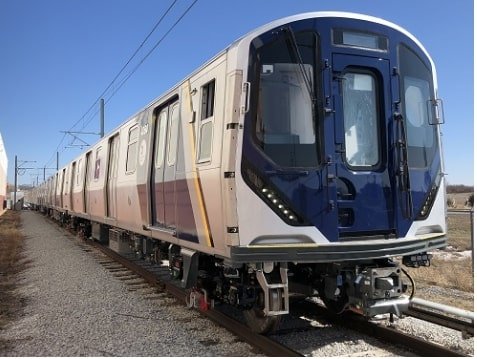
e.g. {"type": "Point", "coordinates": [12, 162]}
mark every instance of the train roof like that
{"type": "Point", "coordinates": [244, 41]}
{"type": "Point", "coordinates": [322, 14]}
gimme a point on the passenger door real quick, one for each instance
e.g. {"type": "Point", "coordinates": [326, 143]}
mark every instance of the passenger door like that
{"type": "Point", "coordinates": [164, 165]}
{"type": "Point", "coordinates": [363, 128]}
{"type": "Point", "coordinates": [87, 183]}
{"type": "Point", "coordinates": [72, 186]}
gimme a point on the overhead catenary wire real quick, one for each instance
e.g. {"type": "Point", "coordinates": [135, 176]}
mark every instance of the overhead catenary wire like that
{"type": "Point", "coordinates": [152, 49]}
{"type": "Point", "coordinates": [128, 76]}
{"type": "Point", "coordinates": [127, 63]}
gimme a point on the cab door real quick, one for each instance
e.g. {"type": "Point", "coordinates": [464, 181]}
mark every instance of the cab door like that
{"type": "Point", "coordinates": [363, 121]}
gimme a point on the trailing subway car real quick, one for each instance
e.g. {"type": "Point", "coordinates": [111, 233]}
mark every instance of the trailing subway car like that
{"type": "Point", "coordinates": [303, 159]}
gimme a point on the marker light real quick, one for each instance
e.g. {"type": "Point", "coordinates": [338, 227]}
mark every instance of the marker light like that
{"type": "Point", "coordinates": [272, 197]}
{"type": "Point", "coordinates": [426, 207]}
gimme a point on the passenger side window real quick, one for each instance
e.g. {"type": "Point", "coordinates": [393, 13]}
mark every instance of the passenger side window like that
{"type": "Point", "coordinates": [78, 172]}
{"type": "Point", "coordinates": [173, 134]}
{"type": "Point", "coordinates": [131, 160]}
{"type": "Point", "coordinates": [97, 164]}
{"type": "Point", "coordinates": [161, 128]}
{"type": "Point", "coordinates": [206, 122]}
{"type": "Point", "coordinates": [66, 181]}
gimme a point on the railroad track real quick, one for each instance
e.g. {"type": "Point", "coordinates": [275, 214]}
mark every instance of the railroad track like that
{"type": "Point", "coordinates": [271, 347]}
{"type": "Point", "coordinates": [384, 333]}
{"type": "Point", "coordinates": [266, 345]}
{"type": "Point", "coordinates": [464, 325]}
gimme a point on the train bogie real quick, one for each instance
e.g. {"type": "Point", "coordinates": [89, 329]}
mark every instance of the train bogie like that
{"type": "Point", "coordinates": [304, 157]}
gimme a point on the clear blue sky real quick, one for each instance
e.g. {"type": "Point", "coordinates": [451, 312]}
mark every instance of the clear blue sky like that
{"type": "Point", "coordinates": [57, 57]}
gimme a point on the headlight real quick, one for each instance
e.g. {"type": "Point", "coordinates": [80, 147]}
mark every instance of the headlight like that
{"type": "Point", "coordinates": [428, 203]}
{"type": "Point", "coordinates": [279, 206]}
{"type": "Point", "coordinates": [271, 196]}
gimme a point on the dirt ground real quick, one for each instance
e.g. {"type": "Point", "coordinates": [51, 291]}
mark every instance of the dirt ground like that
{"type": "Point", "coordinates": [11, 264]}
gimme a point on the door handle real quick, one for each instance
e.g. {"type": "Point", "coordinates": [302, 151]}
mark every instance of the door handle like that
{"type": "Point", "coordinates": [246, 103]}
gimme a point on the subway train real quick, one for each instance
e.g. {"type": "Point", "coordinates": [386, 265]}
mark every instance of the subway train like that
{"type": "Point", "coordinates": [304, 160]}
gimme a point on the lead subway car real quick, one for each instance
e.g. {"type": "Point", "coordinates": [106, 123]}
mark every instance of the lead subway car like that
{"type": "Point", "coordinates": [340, 161]}
{"type": "Point", "coordinates": [301, 159]}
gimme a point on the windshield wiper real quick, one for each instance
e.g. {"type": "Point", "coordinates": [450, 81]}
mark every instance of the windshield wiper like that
{"type": "Point", "coordinates": [290, 36]}
{"type": "Point", "coordinates": [403, 166]}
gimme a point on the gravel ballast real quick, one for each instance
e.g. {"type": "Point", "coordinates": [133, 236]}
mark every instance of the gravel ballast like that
{"type": "Point", "coordinates": [75, 307]}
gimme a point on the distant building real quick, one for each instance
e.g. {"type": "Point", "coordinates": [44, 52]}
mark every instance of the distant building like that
{"type": "Point", "coordinates": [3, 173]}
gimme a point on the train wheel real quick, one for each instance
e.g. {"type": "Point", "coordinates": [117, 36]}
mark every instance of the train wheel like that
{"type": "Point", "coordinates": [335, 306]}
{"type": "Point", "coordinates": [338, 305]}
{"type": "Point", "coordinates": [257, 321]}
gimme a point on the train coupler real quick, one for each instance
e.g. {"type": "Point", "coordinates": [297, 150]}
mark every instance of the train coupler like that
{"type": "Point", "coordinates": [379, 291]}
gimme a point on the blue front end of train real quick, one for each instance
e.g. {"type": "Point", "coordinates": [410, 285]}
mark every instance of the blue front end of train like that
{"type": "Point", "coordinates": [342, 134]}
{"type": "Point", "coordinates": [342, 130]}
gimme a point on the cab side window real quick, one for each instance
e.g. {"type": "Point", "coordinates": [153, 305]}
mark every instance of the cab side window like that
{"type": "Point", "coordinates": [206, 122]}
{"type": "Point", "coordinates": [131, 161]}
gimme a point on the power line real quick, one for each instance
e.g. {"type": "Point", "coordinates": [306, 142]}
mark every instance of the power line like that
{"type": "Point", "coordinates": [153, 48]}
{"type": "Point", "coordinates": [56, 151]}
{"type": "Point", "coordinates": [125, 65]}
{"type": "Point", "coordinates": [123, 68]}
{"type": "Point", "coordinates": [148, 54]}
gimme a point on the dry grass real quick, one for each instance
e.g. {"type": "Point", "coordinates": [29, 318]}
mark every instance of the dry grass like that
{"type": "Point", "coordinates": [459, 231]}
{"type": "Point", "coordinates": [459, 199]}
{"type": "Point", "coordinates": [11, 263]}
{"type": "Point", "coordinates": [449, 275]}
{"type": "Point", "coordinates": [453, 274]}
{"type": "Point", "coordinates": [11, 241]}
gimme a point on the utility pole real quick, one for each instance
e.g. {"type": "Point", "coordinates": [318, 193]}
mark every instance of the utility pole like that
{"type": "Point", "coordinates": [19, 167]}
{"type": "Point", "coordinates": [101, 118]}
{"type": "Point", "coordinates": [15, 186]}
{"type": "Point", "coordinates": [100, 133]}
{"type": "Point", "coordinates": [47, 168]}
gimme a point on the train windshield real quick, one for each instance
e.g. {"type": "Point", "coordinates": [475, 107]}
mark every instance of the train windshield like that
{"type": "Point", "coordinates": [284, 123]}
{"type": "Point", "coordinates": [416, 95]}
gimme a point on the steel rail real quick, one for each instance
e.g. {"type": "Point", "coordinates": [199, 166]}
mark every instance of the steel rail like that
{"type": "Point", "coordinates": [426, 304]}
{"type": "Point", "coordinates": [419, 346]}
{"type": "Point", "coordinates": [444, 315]}
{"type": "Point", "coordinates": [148, 276]}
{"type": "Point", "coordinates": [460, 211]}
{"type": "Point", "coordinates": [467, 328]}
{"type": "Point", "coordinates": [268, 346]}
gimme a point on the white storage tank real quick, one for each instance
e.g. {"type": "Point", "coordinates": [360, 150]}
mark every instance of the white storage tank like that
{"type": "Point", "coordinates": [3, 173]}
